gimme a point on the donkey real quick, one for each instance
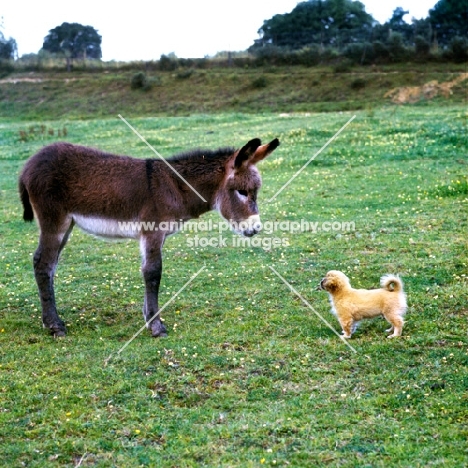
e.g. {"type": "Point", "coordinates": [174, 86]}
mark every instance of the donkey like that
{"type": "Point", "coordinates": [64, 184]}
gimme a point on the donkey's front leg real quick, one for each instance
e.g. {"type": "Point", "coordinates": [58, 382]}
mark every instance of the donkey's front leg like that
{"type": "Point", "coordinates": [151, 251]}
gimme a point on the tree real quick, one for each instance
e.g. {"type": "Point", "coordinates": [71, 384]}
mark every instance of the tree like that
{"type": "Point", "coordinates": [396, 21]}
{"type": "Point", "coordinates": [73, 40]}
{"type": "Point", "coordinates": [422, 28]}
{"type": "Point", "coordinates": [449, 18]}
{"type": "Point", "coordinates": [325, 22]}
{"type": "Point", "coordinates": [8, 48]}
{"type": "Point", "coordinates": [398, 25]}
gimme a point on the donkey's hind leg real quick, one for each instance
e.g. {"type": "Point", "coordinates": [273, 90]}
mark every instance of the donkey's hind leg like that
{"type": "Point", "coordinates": [45, 263]}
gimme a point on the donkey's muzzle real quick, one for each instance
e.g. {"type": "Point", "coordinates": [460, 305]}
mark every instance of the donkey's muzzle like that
{"type": "Point", "coordinates": [249, 227]}
{"type": "Point", "coordinates": [250, 232]}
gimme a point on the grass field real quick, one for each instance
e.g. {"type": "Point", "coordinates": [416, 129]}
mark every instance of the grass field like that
{"type": "Point", "coordinates": [91, 95]}
{"type": "Point", "coordinates": [250, 376]}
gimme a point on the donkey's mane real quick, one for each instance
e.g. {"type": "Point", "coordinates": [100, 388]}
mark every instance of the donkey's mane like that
{"type": "Point", "coordinates": [200, 163]}
{"type": "Point", "coordinates": [198, 155]}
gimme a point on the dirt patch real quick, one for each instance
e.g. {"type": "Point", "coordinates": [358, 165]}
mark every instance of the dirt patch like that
{"type": "Point", "coordinates": [429, 90]}
{"type": "Point", "coordinates": [34, 80]}
{"type": "Point", "coordinates": [21, 80]}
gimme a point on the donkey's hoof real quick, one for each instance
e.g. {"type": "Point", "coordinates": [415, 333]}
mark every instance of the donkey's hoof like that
{"type": "Point", "coordinates": [158, 330]}
{"type": "Point", "coordinates": [57, 330]}
{"type": "Point", "coordinates": [159, 335]}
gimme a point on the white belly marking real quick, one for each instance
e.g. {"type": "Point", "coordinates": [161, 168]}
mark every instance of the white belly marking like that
{"type": "Point", "coordinates": [107, 228]}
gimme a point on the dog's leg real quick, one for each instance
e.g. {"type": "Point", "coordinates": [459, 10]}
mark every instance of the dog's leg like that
{"type": "Point", "coordinates": [396, 321]}
{"type": "Point", "coordinates": [347, 326]}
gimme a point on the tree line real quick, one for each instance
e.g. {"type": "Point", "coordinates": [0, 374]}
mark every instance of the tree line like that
{"type": "Point", "coordinates": [343, 28]}
{"type": "Point", "coordinates": [315, 31]}
{"type": "Point", "coordinates": [69, 40]}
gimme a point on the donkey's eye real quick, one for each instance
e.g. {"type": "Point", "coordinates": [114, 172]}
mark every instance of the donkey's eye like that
{"type": "Point", "coordinates": [244, 193]}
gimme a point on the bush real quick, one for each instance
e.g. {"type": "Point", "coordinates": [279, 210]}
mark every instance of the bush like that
{"type": "Point", "coordinates": [459, 49]}
{"type": "Point", "coordinates": [260, 82]}
{"type": "Point", "coordinates": [380, 51]}
{"type": "Point", "coordinates": [271, 55]}
{"type": "Point", "coordinates": [309, 56]}
{"type": "Point", "coordinates": [6, 67]}
{"type": "Point", "coordinates": [329, 54]}
{"type": "Point", "coordinates": [139, 81]}
{"type": "Point", "coordinates": [241, 62]}
{"type": "Point", "coordinates": [343, 66]}
{"type": "Point", "coordinates": [359, 53]}
{"type": "Point", "coordinates": [422, 47]}
{"type": "Point", "coordinates": [396, 47]}
{"type": "Point", "coordinates": [184, 74]}
{"type": "Point", "coordinates": [167, 63]}
{"type": "Point", "coordinates": [358, 83]}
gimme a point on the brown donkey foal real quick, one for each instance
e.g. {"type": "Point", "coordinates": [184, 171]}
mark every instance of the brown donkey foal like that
{"type": "Point", "coordinates": [64, 184]}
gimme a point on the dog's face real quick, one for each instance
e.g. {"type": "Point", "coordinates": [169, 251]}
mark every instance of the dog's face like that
{"type": "Point", "coordinates": [333, 281]}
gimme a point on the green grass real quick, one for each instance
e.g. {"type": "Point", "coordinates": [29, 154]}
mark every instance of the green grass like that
{"type": "Point", "coordinates": [77, 95]}
{"type": "Point", "coordinates": [249, 376]}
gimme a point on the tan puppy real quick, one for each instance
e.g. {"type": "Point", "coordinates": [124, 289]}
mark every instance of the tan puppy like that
{"type": "Point", "coordinates": [352, 305]}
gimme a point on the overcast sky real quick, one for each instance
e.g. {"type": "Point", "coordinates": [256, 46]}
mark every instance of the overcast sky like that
{"type": "Point", "coordinates": [143, 30]}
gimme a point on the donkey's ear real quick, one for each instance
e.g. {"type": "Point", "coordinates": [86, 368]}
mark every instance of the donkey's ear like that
{"type": "Point", "coordinates": [246, 152]}
{"type": "Point", "coordinates": [263, 151]}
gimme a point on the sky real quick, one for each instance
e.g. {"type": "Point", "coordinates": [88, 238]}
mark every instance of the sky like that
{"type": "Point", "coordinates": [144, 30]}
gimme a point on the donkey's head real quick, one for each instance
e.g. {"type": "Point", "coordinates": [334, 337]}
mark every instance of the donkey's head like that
{"type": "Point", "coordinates": [236, 199]}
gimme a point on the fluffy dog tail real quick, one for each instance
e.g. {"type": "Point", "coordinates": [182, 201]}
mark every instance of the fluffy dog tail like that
{"type": "Point", "coordinates": [391, 283]}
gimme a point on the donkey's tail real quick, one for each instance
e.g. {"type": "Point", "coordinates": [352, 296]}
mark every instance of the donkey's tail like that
{"type": "Point", "coordinates": [391, 283]}
{"type": "Point", "coordinates": [28, 213]}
